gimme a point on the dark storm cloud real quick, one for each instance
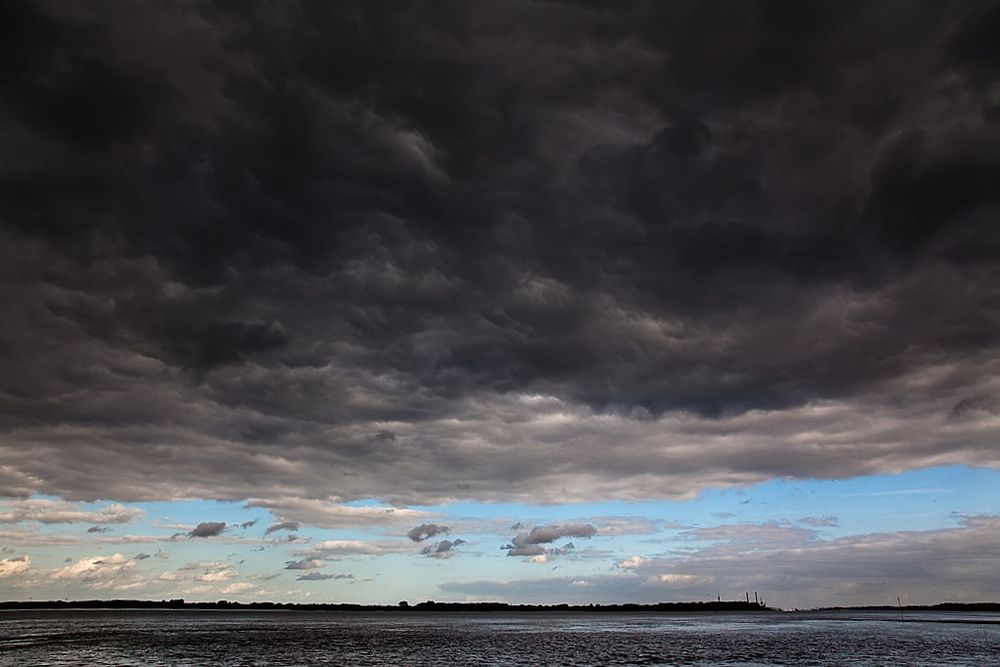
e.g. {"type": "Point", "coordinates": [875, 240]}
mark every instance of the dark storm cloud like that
{"type": "Point", "coordinates": [208, 529]}
{"type": "Point", "coordinates": [227, 342]}
{"type": "Point", "coordinates": [336, 249]}
{"type": "Point", "coordinates": [425, 531]}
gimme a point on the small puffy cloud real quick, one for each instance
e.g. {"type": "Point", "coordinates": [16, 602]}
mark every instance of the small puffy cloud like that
{"type": "Point", "coordinates": [769, 534]}
{"type": "Point", "coordinates": [248, 524]}
{"type": "Point", "coordinates": [529, 544]}
{"type": "Point", "coordinates": [10, 567]}
{"type": "Point", "coordinates": [204, 565]}
{"type": "Point", "coordinates": [332, 549]}
{"type": "Point", "coordinates": [320, 576]}
{"type": "Point", "coordinates": [820, 521]}
{"type": "Point", "coordinates": [99, 529]}
{"type": "Point", "coordinates": [682, 580]}
{"type": "Point", "coordinates": [59, 511]}
{"type": "Point", "coordinates": [282, 525]}
{"type": "Point", "coordinates": [551, 533]}
{"type": "Point", "coordinates": [425, 531]}
{"type": "Point", "coordinates": [208, 529]}
{"type": "Point", "coordinates": [237, 587]}
{"type": "Point", "coordinates": [847, 570]}
{"type": "Point", "coordinates": [633, 562]}
{"type": "Point", "coordinates": [202, 571]}
{"type": "Point", "coordinates": [442, 549]}
{"type": "Point", "coordinates": [630, 525]}
{"type": "Point", "coordinates": [332, 514]}
{"type": "Point", "coordinates": [197, 590]}
{"type": "Point", "coordinates": [96, 568]}
{"type": "Point", "coordinates": [304, 564]}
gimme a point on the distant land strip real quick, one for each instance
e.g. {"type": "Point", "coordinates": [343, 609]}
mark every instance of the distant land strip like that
{"type": "Point", "coordinates": [430, 605]}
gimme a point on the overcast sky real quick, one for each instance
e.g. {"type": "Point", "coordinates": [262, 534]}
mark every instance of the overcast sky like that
{"type": "Point", "coordinates": [543, 301]}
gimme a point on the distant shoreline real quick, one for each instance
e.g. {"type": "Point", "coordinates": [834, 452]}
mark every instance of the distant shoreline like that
{"type": "Point", "coordinates": [477, 607]}
{"type": "Point", "coordinates": [736, 605]}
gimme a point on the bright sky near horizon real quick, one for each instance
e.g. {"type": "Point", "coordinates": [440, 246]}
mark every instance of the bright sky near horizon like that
{"type": "Point", "coordinates": [798, 543]}
{"type": "Point", "coordinates": [540, 301]}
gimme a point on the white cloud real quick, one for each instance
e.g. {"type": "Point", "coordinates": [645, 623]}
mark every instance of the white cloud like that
{"type": "Point", "coordinates": [633, 562]}
{"type": "Point", "coordinates": [59, 511]}
{"type": "Point", "coordinates": [304, 564]}
{"type": "Point", "coordinates": [333, 549]}
{"type": "Point", "coordinates": [238, 587]}
{"type": "Point", "coordinates": [95, 568]}
{"type": "Point", "coordinates": [18, 565]}
{"type": "Point", "coordinates": [794, 569]}
{"type": "Point", "coordinates": [203, 571]}
{"type": "Point", "coordinates": [960, 563]}
{"type": "Point", "coordinates": [332, 514]}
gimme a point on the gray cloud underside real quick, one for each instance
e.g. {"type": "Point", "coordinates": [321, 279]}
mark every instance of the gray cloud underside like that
{"type": "Point", "coordinates": [304, 564]}
{"type": "Point", "coordinates": [208, 529]}
{"type": "Point", "coordinates": [338, 549]}
{"type": "Point", "coordinates": [791, 567]}
{"type": "Point", "coordinates": [631, 253]}
{"type": "Point", "coordinates": [530, 543]}
{"type": "Point", "coordinates": [330, 513]}
{"type": "Point", "coordinates": [57, 511]}
{"type": "Point", "coordinates": [442, 549]}
{"type": "Point", "coordinates": [35, 538]}
{"type": "Point", "coordinates": [282, 525]}
{"type": "Point", "coordinates": [425, 531]}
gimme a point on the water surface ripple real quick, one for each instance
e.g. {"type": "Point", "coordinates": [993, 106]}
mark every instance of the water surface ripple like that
{"type": "Point", "coordinates": [230, 638]}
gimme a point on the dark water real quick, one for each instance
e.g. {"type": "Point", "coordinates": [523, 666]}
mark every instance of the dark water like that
{"type": "Point", "coordinates": [222, 639]}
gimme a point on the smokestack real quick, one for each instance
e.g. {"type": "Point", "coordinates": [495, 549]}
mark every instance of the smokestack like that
{"type": "Point", "coordinates": [755, 600]}
{"type": "Point", "coordinates": [748, 597]}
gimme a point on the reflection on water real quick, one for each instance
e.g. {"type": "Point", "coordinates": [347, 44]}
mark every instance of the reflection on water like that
{"type": "Point", "coordinates": [224, 638]}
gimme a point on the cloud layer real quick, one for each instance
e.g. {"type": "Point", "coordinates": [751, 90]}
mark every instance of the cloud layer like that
{"type": "Point", "coordinates": [537, 251]}
{"type": "Point", "coordinates": [789, 566]}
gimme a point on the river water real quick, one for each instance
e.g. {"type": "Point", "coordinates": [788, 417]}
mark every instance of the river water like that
{"type": "Point", "coordinates": [230, 638]}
